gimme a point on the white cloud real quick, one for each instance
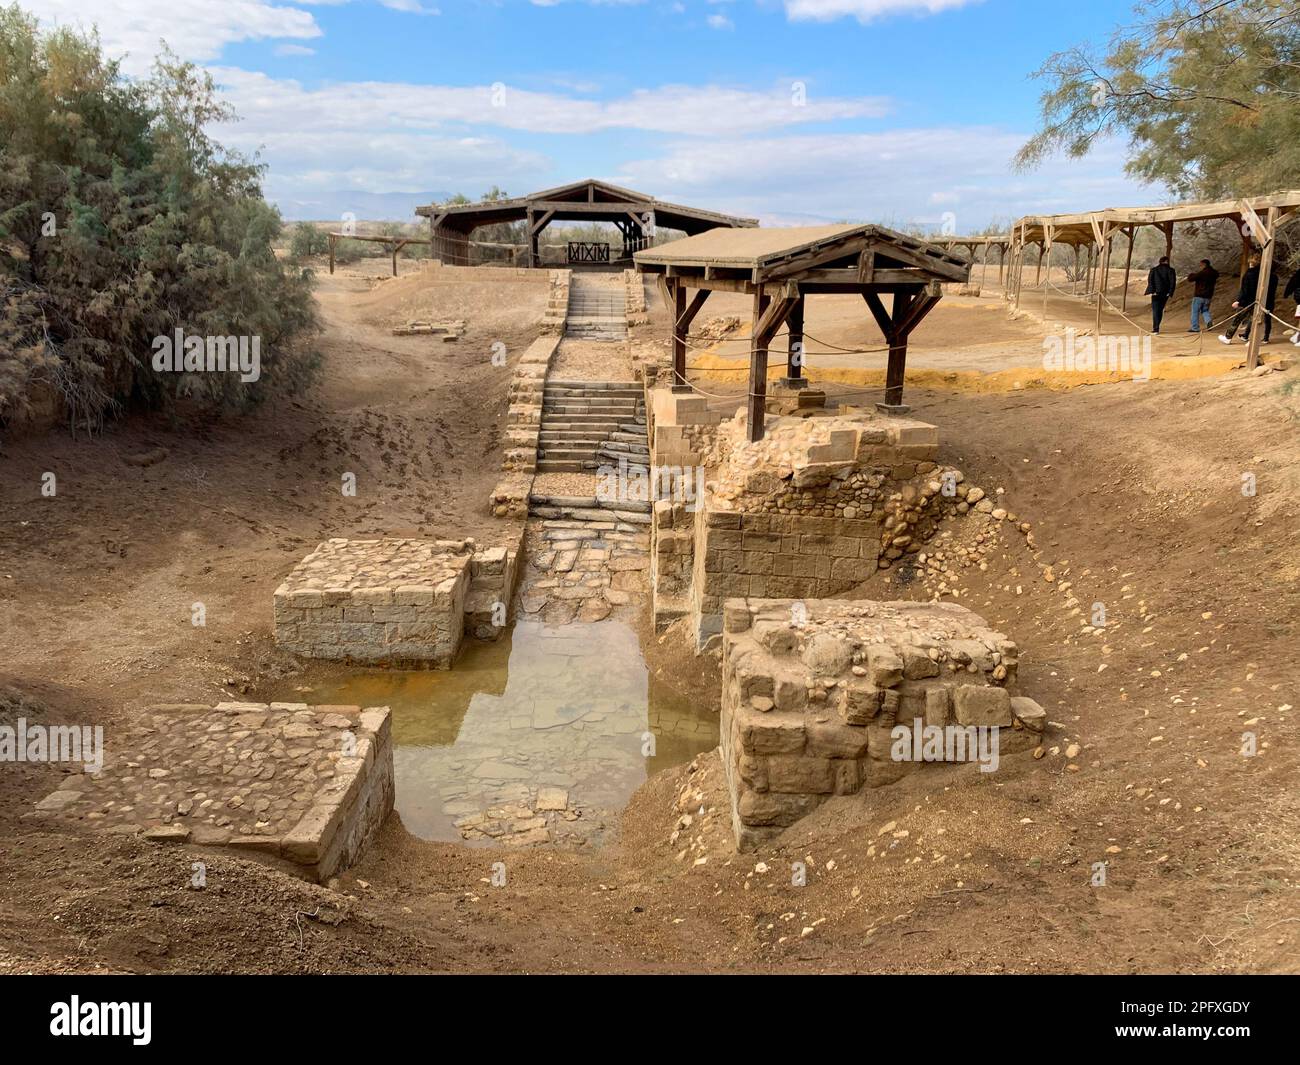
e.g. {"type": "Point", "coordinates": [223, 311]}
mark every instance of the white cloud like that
{"type": "Point", "coordinates": [898, 176]}
{"type": "Point", "coordinates": [197, 31]}
{"type": "Point", "coordinates": [720, 22]}
{"type": "Point", "coordinates": [866, 10]}
{"type": "Point", "coordinates": [267, 103]}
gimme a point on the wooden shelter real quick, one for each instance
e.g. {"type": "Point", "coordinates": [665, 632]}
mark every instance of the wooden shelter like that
{"type": "Point", "coordinates": [779, 268]}
{"type": "Point", "coordinates": [635, 214]}
{"type": "Point", "coordinates": [1257, 218]}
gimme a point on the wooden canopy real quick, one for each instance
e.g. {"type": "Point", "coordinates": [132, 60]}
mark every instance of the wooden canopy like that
{"type": "Point", "coordinates": [635, 214]}
{"type": "Point", "coordinates": [780, 267]}
{"type": "Point", "coordinates": [1257, 218]}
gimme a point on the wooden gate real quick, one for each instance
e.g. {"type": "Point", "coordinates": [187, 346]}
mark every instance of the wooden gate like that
{"type": "Point", "coordinates": [582, 251]}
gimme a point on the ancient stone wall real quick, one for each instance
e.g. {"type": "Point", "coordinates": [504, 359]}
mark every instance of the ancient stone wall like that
{"type": "Point", "coordinates": [809, 510]}
{"type": "Point", "coordinates": [394, 602]}
{"type": "Point", "coordinates": [523, 425]}
{"type": "Point", "coordinates": [814, 692]}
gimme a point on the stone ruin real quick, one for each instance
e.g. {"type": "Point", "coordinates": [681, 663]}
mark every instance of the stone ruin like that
{"type": "Point", "coordinates": [814, 692]}
{"type": "Point", "coordinates": [815, 508]}
{"type": "Point", "coordinates": [397, 602]}
{"type": "Point", "coordinates": [309, 785]}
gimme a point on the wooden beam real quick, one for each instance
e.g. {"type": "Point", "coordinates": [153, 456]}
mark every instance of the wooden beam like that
{"type": "Point", "coordinates": [683, 315]}
{"type": "Point", "coordinates": [332, 239]}
{"type": "Point", "coordinates": [768, 316]}
{"type": "Point", "coordinates": [794, 347]}
{"type": "Point", "coordinates": [1128, 263]}
{"type": "Point", "coordinates": [896, 368]}
{"type": "Point", "coordinates": [1261, 290]}
{"type": "Point", "coordinates": [1105, 269]}
{"type": "Point", "coordinates": [879, 313]}
{"type": "Point", "coordinates": [919, 307]}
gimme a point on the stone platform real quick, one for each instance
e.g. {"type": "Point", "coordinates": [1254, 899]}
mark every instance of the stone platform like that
{"type": "Point", "coordinates": [307, 784]}
{"type": "Point", "coordinates": [814, 692]}
{"type": "Point", "coordinates": [404, 603]}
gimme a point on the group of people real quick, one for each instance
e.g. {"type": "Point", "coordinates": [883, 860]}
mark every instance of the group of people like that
{"type": "Point", "coordinates": [1162, 280]}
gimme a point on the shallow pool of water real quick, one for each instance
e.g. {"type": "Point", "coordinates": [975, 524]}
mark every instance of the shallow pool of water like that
{"type": "Point", "coordinates": [572, 707]}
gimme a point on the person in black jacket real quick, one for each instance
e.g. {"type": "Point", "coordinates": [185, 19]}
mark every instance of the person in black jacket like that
{"type": "Point", "coordinates": [1161, 282]}
{"type": "Point", "coordinates": [1204, 279]}
{"type": "Point", "coordinates": [1292, 291]}
{"type": "Point", "coordinates": [1245, 302]}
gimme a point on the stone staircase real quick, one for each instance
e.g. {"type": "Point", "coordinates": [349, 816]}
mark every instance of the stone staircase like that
{"type": "Point", "coordinates": [589, 424]}
{"type": "Point", "coordinates": [597, 311]}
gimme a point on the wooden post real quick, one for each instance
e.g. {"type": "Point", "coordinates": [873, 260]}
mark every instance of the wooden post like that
{"type": "Point", "coordinates": [1106, 241]}
{"type": "Point", "coordinates": [1261, 288]}
{"type": "Point", "coordinates": [395, 247]}
{"type": "Point", "coordinates": [757, 372]}
{"type": "Point", "coordinates": [897, 366]}
{"type": "Point", "coordinates": [984, 270]}
{"type": "Point", "coordinates": [679, 335]}
{"type": "Point", "coordinates": [794, 358]}
{"type": "Point", "coordinates": [332, 238]}
{"type": "Point", "coordinates": [1128, 262]}
{"type": "Point", "coordinates": [683, 316]}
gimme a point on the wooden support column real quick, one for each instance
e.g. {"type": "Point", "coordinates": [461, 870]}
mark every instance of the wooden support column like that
{"type": "Point", "coordinates": [1105, 267]}
{"type": "Point", "coordinates": [683, 316]}
{"type": "Point", "coordinates": [984, 270]}
{"type": "Point", "coordinates": [1128, 263]}
{"type": "Point", "coordinates": [766, 323]}
{"type": "Point", "coordinates": [794, 377]}
{"type": "Point", "coordinates": [1261, 288]}
{"type": "Point", "coordinates": [332, 239]}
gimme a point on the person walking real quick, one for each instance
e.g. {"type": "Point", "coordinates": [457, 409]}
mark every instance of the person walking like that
{"type": "Point", "coordinates": [1292, 291]}
{"type": "Point", "coordinates": [1204, 279]}
{"type": "Point", "coordinates": [1161, 282]}
{"type": "Point", "coordinates": [1245, 302]}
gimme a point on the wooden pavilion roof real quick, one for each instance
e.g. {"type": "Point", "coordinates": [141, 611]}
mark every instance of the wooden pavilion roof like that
{"type": "Point", "coordinates": [846, 258]}
{"type": "Point", "coordinates": [588, 200]}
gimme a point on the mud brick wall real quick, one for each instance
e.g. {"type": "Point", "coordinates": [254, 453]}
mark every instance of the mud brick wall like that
{"type": "Point", "coordinates": [812, 690]}
{"type": "Point", "coordinates": [390, 602]}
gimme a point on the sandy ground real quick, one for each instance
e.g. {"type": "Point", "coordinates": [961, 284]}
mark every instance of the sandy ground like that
{"type": "Point", "coordinates": [1134, 492]}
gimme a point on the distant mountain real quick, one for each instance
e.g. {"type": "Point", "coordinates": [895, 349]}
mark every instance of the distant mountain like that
{"type": "Point", "coordinates": [365, 206]}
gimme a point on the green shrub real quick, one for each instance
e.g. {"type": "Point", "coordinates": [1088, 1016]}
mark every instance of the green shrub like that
{"type": "Point", "coordinates": [121, 222]}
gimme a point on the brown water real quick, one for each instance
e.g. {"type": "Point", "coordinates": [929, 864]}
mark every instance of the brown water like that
{"type": "Point", "coordinates": [573, 707]}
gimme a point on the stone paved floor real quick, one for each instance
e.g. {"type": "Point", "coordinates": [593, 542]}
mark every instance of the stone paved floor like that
{"type": "Point", "coordinates": [242, 774]}
{"type": "Point", "coordinates": [583, 570]}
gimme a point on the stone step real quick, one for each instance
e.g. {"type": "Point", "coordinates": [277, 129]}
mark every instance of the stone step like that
{"type": "Point", "coordinates": [599, 386]}
{"type": "Point", "coordinates": [599, 428]}
{"type": "Point", "coordinates": [562, 466]}
{"type": "Point", "coordinates": [578, 394]}
{"type": "Point", "coordinates": [628, 517]}
{"type": "Point", "coordinates": [630, 438]}
{"type": "Point", "coordinates": [567, 453]}
{"type": "Point", "coordinates": [590, 503]}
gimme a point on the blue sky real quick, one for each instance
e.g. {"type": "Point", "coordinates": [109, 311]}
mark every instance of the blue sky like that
{"type": "Point", "coordinates": [790, 110]}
